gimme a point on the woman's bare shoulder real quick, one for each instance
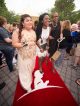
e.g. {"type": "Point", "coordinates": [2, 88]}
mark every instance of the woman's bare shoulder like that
{"type": "Point", "coordinates": [15, 33]}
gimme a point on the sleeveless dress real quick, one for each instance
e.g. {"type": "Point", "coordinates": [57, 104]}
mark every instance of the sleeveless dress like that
{"type": "Point", "coordinates": [26, 60]}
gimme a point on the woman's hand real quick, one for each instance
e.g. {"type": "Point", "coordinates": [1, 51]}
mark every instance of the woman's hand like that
{"type": "Point", "coordinates": [50, 37]}
{"type": "Point", "coordinates": [41, 50]}
{"type": "Point", "coordinates": [61, 36]}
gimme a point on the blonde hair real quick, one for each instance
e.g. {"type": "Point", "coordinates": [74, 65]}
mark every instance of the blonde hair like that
{"type": "Point", "coordinates": [66, 24]}
{"type": "Point", "coordinates": [9, 27]}
{"type": "Point", "coordinates": [78, 22]}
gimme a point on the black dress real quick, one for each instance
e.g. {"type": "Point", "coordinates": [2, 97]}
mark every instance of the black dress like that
{"type": "Point", "coordinates": [55, 33]}
{"type": "Point", "coordinates": [68, 40]}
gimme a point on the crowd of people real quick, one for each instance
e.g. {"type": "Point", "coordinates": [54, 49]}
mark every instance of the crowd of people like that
{"type": "Point", "coordinates": [27, 39]}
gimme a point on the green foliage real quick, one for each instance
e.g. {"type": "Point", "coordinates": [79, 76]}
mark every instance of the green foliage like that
{"type": "Point", "coordinates": [66, 5]}
{"type": "Point", "coordinates": [3, 8]}
{"type": "Point", "coordinates": [11, 16]}
{"type": "Point", "coordinates": [66, 8]}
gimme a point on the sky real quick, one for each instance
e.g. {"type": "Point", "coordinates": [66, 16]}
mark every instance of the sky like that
{"type": "Point", "coordinates": [33, 7]}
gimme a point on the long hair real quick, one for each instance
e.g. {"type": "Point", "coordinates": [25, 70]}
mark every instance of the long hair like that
{"type": "Point", "coordinates": [67, 24]}
{"type": "Point", "coordinates": [21, 25]}
{"type": "Point", "coordinates": [40, 25]}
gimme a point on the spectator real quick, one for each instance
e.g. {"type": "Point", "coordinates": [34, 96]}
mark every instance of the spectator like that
{"type": "Point", "coordinates": [78, 23]}
{"type": "Point", "coordinates": [55, 34]}
{"type": "Point", "coordinates": [9, 27]}
{"type": "Point", "coordinates": [6, 43]}
{"type": "Point", "coordinates": [14, 26]}
{"type": "Point", "coordinates": [35, 25]}
{"type": "Point", "coordinates": [76, 40]}
{"type": "Point", "coordinates": [68, 39]}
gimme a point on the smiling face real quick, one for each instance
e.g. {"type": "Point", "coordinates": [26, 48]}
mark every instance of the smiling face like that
{"type": "Point", "coordinates": [74, 27]}
{"type": "Point", "coordinates": [27, 23]}
{"type": "Point", "coordinates": [46, 20]}
{"type": "Point", "coordinates": [55, 17]}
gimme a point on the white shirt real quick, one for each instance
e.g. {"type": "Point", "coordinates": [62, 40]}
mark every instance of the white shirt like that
{"type": "Point", "coordinates": [45, 34]}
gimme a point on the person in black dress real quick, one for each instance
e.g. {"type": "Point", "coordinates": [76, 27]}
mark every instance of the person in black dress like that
{"type": "Point", "coordinates": [54, 34]}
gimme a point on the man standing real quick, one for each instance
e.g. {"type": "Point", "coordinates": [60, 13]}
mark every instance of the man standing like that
{"type": "Point", "coordinates": [55, 33]}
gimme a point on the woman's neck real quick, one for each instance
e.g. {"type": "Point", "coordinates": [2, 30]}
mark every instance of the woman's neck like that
{"type": "Point", "coordinates": [45, 27]}
{"type": "Point", "coordinates": [27, 29]}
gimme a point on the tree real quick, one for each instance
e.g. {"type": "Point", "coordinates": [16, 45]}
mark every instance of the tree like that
{"type": "Point", "coordinates": [66, 8]}
{"type": "Point", "coordinates": [3, 8]}
{"type": "Point", "coordinates": [11, 16]}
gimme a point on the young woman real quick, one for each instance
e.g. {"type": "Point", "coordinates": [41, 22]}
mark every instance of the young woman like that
{"type": "Point", "coordinates": [24, 39]}
{"type": "Point", "coordinates": [43, 29]}
{"type": "Point", "coordinates": [42, 32]}
{"type": "Point", "coordinates": [68, 39]}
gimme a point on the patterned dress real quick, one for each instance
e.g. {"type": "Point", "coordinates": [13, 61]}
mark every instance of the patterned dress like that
{"type": "Point", "coordinates": [26, 60]}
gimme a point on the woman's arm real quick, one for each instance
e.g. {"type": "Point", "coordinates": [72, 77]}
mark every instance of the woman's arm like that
{"type": "Point", "coordinates": [15, 40]}
{"type": "Point", "coordinates": [8, 40]}
{"type": "Point", "coordinates": [61, 34]}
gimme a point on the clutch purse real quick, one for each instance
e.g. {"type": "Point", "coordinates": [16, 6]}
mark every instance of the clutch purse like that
{"type": "Point", "coordinates": [56, 55]}
{"type": "Point", "coordinates": [44, 46]}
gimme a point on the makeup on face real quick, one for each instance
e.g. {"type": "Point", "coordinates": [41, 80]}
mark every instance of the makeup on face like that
{"type": "Point", "coordinates": [46, 20]}
{"type": "Point", "coordinates": [28, 23]}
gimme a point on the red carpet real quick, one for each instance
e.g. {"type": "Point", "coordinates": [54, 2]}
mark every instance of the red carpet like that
{"type": "Point", "coordinates": [47, 96]}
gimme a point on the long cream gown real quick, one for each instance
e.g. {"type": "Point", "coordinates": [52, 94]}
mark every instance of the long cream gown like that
{"type": "Point", "coordinates": [26, 60]}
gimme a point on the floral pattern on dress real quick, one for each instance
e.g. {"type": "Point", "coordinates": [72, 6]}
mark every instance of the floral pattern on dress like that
{"type": "Point", "coordinates": [28, 51]}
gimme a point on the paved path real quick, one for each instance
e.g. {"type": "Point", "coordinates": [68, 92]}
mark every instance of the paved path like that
{"type": "Point", "coordinates": [67, 73]}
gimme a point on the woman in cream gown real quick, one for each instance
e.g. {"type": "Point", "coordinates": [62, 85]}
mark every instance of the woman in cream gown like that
{"type": "Point", "coordinates": [24, 40]}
